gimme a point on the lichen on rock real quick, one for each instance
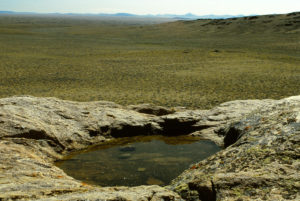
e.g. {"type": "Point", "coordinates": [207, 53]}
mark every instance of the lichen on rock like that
{"type": "Point", "coordinates": [260, 159]}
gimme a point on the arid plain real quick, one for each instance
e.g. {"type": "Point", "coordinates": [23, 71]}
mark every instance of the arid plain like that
{"type": "Point", "coordinates": [195, 64]}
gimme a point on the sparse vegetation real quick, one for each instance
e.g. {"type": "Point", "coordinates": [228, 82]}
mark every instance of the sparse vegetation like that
{"type": "Point", "coordinates": [185, 63]}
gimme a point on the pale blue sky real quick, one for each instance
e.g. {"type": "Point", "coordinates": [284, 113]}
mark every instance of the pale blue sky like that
{"type": "Point", "coordinates": [200, 7]}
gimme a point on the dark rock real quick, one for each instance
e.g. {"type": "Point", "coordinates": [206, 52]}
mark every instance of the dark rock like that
{"type": "Point", "coordinates": [151, 109]}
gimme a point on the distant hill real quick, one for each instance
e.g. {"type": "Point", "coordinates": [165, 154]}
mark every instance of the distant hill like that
{"type": "Point", "coordinates": [6, 12]}
{"type": "Point", "coordinates": [219, 16]}
{"type": "Point", "coordinates": [283, 23]}
{"type": "Point", "coordinates": [192, 16]}
{"type": "Point", "coordinates": [12, 12]}
{"type": "Point", "coordinates": [188, 16]}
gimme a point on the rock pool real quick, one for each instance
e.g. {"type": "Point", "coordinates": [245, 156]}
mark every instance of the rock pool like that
{"type": "Point", "coordinates": [143, 160]}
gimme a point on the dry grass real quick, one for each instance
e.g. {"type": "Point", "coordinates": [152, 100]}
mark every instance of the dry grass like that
{"type": "Point", "coordinates": [173, 64]}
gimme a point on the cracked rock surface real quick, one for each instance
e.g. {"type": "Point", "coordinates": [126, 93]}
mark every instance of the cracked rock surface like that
{"type": "Point", "coordinates": [260, 161]}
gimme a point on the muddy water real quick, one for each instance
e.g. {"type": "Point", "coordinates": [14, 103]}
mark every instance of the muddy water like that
{"type": "Point", "coordinates": [137, 161]}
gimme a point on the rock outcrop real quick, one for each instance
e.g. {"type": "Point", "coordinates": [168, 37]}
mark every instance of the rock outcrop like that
{"type": "Point", "coordinates": [260, 159]}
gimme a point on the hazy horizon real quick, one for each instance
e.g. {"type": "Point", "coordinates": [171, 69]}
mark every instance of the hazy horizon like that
{"type": "Point", "coordinates": [147, 7]}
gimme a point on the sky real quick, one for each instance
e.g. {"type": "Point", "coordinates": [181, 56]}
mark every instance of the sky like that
{"type": "Point", "coordinates": [198, 7]}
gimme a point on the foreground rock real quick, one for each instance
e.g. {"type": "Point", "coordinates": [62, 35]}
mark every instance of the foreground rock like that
{"type": "Point", "coordinates": [261, 160]}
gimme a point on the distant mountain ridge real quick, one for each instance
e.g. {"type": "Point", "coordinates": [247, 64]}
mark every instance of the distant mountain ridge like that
{"type": "Point", "coordinates": [188, 16]}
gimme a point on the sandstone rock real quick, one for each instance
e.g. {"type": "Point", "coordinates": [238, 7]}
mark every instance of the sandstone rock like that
{"type": "Point", "coordinates": [261, 160]}
{"type": "Point", "coordinates": [140, 193]}
{"type": "Point", "coordinates": [34, 132]}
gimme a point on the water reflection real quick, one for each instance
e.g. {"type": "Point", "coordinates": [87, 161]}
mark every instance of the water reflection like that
{"type": "Point", "coordinates": [136, 161]}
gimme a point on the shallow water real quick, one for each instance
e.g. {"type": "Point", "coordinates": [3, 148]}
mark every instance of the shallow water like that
{"type": "Point", "coordinates": [138, 160]}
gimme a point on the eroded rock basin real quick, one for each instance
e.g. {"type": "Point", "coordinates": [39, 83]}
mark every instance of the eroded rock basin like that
{"type": "Point", "coordinates": [260, 161]}
{"type": "Point", "coordinates": [134, 161]}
